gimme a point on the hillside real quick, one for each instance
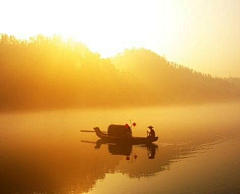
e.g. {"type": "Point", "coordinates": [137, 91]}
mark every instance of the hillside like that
{"type": "Point", "coordinates": [43, 73]}
{"type": "Point", "coordinates": [171, 82]}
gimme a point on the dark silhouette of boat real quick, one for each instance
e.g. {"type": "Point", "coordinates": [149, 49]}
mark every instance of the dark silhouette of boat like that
{"type": "Point", "coordinates": [132, 140]}
{"type": "Point", "coordinates": [125, 149]}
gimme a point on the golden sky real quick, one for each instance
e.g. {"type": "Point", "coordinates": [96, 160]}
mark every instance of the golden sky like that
{"type": "Point", "coordinates": [200, 34]}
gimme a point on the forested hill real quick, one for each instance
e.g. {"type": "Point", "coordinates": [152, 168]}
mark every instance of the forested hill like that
{"type": "Point", "coordinates": [171, 82]}
{"type": "Point", "coordinates": [43, 73]}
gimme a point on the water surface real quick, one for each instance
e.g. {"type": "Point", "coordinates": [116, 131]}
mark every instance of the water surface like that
{"type": "Point", "coordinates": [197, 151]}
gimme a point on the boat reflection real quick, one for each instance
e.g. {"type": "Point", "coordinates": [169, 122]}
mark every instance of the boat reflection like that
{"type": "Point", "coordinates": [125, 149]}
{"type": "Point", "coordinates": [62, 165]}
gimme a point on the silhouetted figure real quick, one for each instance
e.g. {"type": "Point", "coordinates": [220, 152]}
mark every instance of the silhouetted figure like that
{"type": "Point", "coordinates": [151, 133]}
{"type": "Point", "coordinates": [128, 131]}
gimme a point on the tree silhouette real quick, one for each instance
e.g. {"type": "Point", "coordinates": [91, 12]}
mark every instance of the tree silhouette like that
{"type": "Point", "coordinates": [45, 72]}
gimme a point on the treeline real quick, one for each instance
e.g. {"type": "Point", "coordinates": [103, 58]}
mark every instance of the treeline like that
{"type": "Point", "coordinates": [51, 72]}
{"type": "Point", "coordinates": [170, 82]}
{"type": "Point", "coordinates": [47, 72]}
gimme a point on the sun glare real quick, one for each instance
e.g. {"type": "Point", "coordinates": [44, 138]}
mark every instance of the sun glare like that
{"type": "Point", "coordinates": [119, 96]}
{"type": "Point", "coordinates": [185, 32]}
{"type": "Point", "coordinates": [105, 29]}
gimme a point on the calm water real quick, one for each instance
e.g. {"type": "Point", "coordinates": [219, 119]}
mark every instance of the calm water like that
{"type": "Point", "coordinates": [197, 151]}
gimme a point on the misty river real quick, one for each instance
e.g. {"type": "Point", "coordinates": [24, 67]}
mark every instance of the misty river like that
{"type": "Point", "coordinates": [197, 151]}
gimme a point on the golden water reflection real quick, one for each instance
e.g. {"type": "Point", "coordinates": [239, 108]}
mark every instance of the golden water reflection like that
{"type": "Point", "coordinates": [43, 152]}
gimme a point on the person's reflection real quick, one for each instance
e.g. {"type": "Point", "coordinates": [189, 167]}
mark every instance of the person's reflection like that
{"type": "Point", "coordinates": [151, 148]}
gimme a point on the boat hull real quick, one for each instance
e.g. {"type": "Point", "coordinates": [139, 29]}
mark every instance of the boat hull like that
{"type": "Point", "coordinates": [133, 140]}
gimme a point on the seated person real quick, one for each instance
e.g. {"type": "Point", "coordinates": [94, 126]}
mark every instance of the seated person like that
{"type": "Point", "coordinates": [151, 133]}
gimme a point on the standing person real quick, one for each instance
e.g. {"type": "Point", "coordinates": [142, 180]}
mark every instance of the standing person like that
{"type": "Point", "coordinates": [128, 131]}
{"type": "Point", "coordinates": [152, 132]}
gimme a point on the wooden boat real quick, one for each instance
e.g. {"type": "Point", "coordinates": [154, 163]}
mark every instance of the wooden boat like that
{"type": "Point", "coordinates": [132, 140]}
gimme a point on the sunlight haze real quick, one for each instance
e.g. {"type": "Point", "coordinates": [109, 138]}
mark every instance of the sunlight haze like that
{"type": "Point", "coordinates": [203, 35]}
{"type": "Point", "coordinates": [119, 96]}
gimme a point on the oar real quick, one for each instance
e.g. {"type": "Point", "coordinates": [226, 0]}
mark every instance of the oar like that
{"type": "Point", "coordinates": [88, 141]}
{"type": "Point", "coordinates": [91, 131]}
{"type": "Point", "coordinates": [87, 131]}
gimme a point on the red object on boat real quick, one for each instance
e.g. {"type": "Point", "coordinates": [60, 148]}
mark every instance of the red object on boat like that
{"type": "Point", "coordinates": [127, 126]}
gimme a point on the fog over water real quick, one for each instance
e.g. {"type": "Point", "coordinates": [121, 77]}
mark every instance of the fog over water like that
{"type": "Point", "coordinates": [197, 151]}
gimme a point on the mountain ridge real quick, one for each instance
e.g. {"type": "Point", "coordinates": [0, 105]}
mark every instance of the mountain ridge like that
{"type": "Point", "coordinates": [47, 73]}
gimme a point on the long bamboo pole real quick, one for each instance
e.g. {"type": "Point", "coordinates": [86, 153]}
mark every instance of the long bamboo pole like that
{"type": "Point", "coordinates": [87, 131]}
